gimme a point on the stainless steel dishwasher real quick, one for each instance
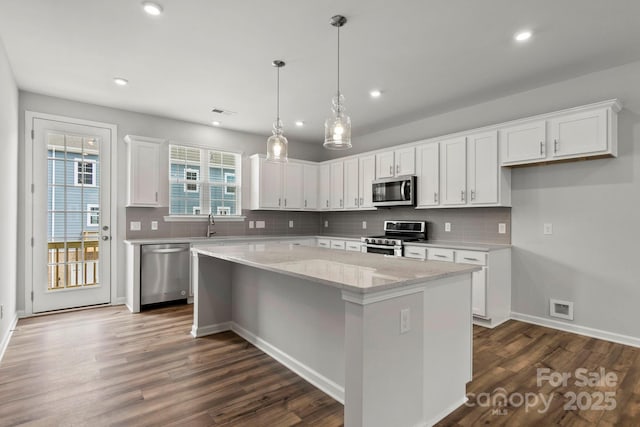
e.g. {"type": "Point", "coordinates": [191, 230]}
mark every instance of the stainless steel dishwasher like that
{"type": "Point", "coordinates": [164, 273]}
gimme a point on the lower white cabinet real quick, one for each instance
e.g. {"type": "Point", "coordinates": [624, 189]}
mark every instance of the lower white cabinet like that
{"type": "Point", "coordinates": [479, 292]}
{"type": "Point", "coordinates": [353, 246]}
{"type": "Point", "coordinates": [338, 244]}
{"type": "Point", "coordinates": [324, 243]}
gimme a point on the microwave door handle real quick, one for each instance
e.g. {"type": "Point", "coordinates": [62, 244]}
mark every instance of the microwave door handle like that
{"type": "Point", "coordinates": [402, 190]}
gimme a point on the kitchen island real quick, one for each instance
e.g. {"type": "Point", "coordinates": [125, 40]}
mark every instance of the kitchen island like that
{"type": "Point", "coordinates": [391, 338]}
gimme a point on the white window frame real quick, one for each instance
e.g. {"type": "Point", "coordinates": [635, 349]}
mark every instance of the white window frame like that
{"type": "Point", "coordinates": [196, 181]}
{"type": "Point", "coordinates": [91, 213]}
{"type": "Point", "coordinates": [233, 185]}
{"type": "Point", "coordinates": [204, 186]}
{"type": "Point", "coordinates": [76, 163]}
{"type": "Point", "coordinates": [223, 210]}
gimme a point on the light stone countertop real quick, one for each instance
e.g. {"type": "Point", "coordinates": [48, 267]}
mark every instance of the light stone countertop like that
{"type": "Point", "coordinates": [354, 271]}
{"type": "Point", "coordinates": [214, 239]}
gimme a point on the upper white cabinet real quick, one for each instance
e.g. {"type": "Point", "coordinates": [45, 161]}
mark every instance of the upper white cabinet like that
{"type": "Point", "coordinates": [396, 163]}
{"type": "Point", "coordinates": [143, 171]}
{"type": "Point", "coordinates": [453, 172]}
{"type": "Point", "coordinates": [428, 174]}
{"type": "Point", "coordinates": [482, 168]}
{"type": "Point", "coordinates": [351, 183]}
{"type": "Point", "coordinates": [277, 185]}
{"type": "Point", "coordinates": [310, 182]}
{"type": "Point", "coordinates": [324, 186]}
{"type": "Point", "coordinates": [578, 133]}
{"type": "Point", "coordinates": [336, 186]}
{"type": "Point", "coordinates": [366, 175]}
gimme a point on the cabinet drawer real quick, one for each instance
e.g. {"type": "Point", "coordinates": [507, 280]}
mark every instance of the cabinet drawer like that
{"type": "Point", "coordinates": [415, 252]}
{"type": "Point", "coordinates": [353, 246]}
{"type": "Point", "coordinates": [324, 243]}
{"type": "Point", "coordinates": [440, 254]}
{"type": "Point", "coordinates": [471, 257]}
{"type": "Point", "coordinates": [338, 244]}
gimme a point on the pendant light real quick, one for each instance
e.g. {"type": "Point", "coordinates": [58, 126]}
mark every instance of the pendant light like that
{"type": "Point", "coordinates": [277, 143]}
{"type": "Point", "coordinates": [337, 128]}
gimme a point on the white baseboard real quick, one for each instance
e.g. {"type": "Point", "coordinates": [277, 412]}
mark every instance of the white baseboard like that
{"type": "Point", "coordinates": [120, 301]}
{"type": "Point", "coordinates": [577, 329]}
{"type": "Point", "coordinates": [7, 336]}
{"type": "Point", "coordinates": [487, 323]}
{"type": "Point", "coordinates": [333, 389]}
{"type": "Point", "coordinates": [210, 329]}
{"type": "Point", "coordinates": [446, 412]}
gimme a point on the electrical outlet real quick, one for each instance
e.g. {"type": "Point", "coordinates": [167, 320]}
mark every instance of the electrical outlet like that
{"type": "Point", "coordinates": [364, 225]}
{"type": "Point", "coordinates": [135, 226]}
{"type": "Point", "coordinates": [447, 226]}
{"type": "Point", "coordinates": [252, 224]}
{"type": "Point", "coordinates": [547, 228]}
{"type": "Point", "coordinates": [291, 224]}
{"type": "Point", "coordinates": [326, 224]}
{"type": "Point", "coordinates": [405, 320]}
{"type": "Point", "coordinates": [260, 224]}
{"type": "Point", "coordinates": [502, 228]}
{"type": "Point", "coordinates": [154, 225]}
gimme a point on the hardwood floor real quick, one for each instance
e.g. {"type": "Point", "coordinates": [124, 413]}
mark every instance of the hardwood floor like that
{"type": "Point", "coordinates": [106, 366]}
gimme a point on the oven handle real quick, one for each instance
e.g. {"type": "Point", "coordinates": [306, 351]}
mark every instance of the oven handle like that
{"type": "Point", "coordinates": [382, 246]}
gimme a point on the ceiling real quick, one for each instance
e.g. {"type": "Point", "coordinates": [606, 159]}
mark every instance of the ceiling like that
{"type": "Point", "coordinates": [427, 57]}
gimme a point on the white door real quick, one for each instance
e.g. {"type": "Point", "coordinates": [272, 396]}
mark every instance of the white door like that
{"type": "Point", "coordinates": [71, 215]}
{"type": "Point", "coordinates": [523, 143]}
{"type": "Point", "coordinates": [428, 174]}
{"type": "Point", "coordinates": [270, 184]}
{"type": "Point", "coordinates": [483, 169]}
{"type": "Point", "coordinates": [581, 133]}
{"type": "Point", "coordinates": [453, 171]}
{"type": "Point", "coordinates": [479, 292]}
{"type": "Point", "coordinates": [310, 180]}
{"type": "Point", "coordinates": [367, 175]}
{"type": "Point", "coordinates": [324, 186]}
{"type": "Point", "coordinates": [293, 186]}
{"type": "Point", "coordinates": [384, 164]}
{"type": "Point", "coordinates": [351, 187]}
{"type": "Point", "coordinates": [337, 186]}
{"type": "Point", "coordinates": [405, 160]}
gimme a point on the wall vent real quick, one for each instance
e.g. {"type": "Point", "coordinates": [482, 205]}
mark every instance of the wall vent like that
{"type": "Point", "coordinates": [223, 111]}
{"type": "Point", "coordinates": [561, 309]}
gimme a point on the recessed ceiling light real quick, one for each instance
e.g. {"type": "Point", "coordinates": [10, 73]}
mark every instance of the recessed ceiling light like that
{"type": "Point", "coordinates": [216, 123]}
{"type": "Point", "coordinates": [120, 81]}
{"type": "Point", "coordinates": [375, 93]}
{"type": "Point", "coordinates": [152, 9]}
{"type": "Point", "coordinates": [299, 123]}
{"type": "Point", "coordinates": [522, 36]}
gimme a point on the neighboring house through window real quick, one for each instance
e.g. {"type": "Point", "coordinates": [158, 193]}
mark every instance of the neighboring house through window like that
{"type": "Point", "coordinates": [93, 215]}
{"type": "Point", "coordinates": [84, 172]}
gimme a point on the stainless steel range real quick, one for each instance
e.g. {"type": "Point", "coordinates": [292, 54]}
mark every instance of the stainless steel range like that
{"type": "Point", "coordinates": [396, 233]}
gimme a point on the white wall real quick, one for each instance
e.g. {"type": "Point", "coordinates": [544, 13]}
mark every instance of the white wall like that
{"type": "Point", "coordinates": [8, 193]}
{"type": "Point", "coordinates": [594, 206]}
{"type": "Point", "coordinates": [145, 125]}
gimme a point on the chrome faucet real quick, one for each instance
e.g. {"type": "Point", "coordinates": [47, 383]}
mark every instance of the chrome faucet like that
{"type": "Point", "coordinates": [210, 224]}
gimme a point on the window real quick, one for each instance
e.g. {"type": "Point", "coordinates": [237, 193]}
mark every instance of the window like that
{"type": "Point", "coordinates": [204, 181]}
{"type": "Point", "coordinates": [84, 172]}
{"type": "Point", "coordinates": [93, 215]}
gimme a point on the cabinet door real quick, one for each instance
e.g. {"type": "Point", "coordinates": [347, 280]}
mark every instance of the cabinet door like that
{"type": "Point", "coordinates": [405, 162]}
{"type": "Point", "coordinates": [293, 188]}
{"type": "Point", "coordinates": [428, 174]}
{"type": "Point", "coordinates": [351, 185]}
{"type": "Point", "coordinates": [453, 171]}
{"type": "Point", "coordinates": [144, 169]}
{"type": "Point", "coordinates": [523, 143]}
{"type": "Point", "coordinates": [384, 165]}
{"type": "Point", "coordinates": [310, 181]}
{"type": "Point", "coordinates": [367, 170]}
{"type": "Point", "coordinates": [482, 168]}
{"type": "Point", "coordinates": [324, 186]}
{"type": "Point", "coordinates": [576, 134]}
{"type": "Point", "coordinates": [337, 186]}
{"type": "Point", "coordinates": [270, 184]}
{"type": "Point", "coordinates": [479, 292]}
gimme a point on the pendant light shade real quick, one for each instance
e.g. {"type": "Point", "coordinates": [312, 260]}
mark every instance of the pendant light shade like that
{"type": "Point", "coordinates": [337, 128]}
{"type": "Point", "coordinates": [277, 144]}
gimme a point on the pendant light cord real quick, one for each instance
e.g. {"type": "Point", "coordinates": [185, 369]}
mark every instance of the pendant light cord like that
{"type": "Point", "coordinates": [338, 66]}
{"type": "Point", "coordinates": [278, 97]}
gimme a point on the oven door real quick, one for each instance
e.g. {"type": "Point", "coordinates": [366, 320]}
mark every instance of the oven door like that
{"type": "Point", "coordinates": [384, 249]}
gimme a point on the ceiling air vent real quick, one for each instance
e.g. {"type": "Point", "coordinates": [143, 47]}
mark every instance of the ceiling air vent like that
{"type": "Point", "coordinates": [223, 111]}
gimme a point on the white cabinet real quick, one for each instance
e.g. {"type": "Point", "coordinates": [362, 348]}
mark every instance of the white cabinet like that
{"type": "Point", "coordinates": [336, 185]}
{"type": "Point", "coordinates": [277, 185]}
{"type": "Point", "coordinates": [338, 244]}
{"type": "Point", "coordinates": [367, 173]}
{"type": "Point", "coordinates": [479, 292]}
{"type": "Point", "coordinates": [292, 185]}
{"type": "Point", "coordinates": [353, 246]}
{"type": "Point", "coordinates": [143, 171]}
{"type": "Point", "coordinates": [416, 252]}
{"type": "Point", "coordinates": [584, 132]}
{"type": "Point", "coordinates": [324, 243]}
{"type": "Point", "coordinates": [482, 168]}
{"type": "Point", "coordinates": [351, 183]}
{"type": "Point", "coordinates": [453, 172]}
{"type": "Point", "coordinates": [523, 143]}
{"type": "Point", "coordinates": [428, 174]}
{"type": "Point", "coordinates": [324, 187]}
{"type": "Point", "coordinates": [396, 163]}
{"type": "Point", "coordinates": [310, 182]}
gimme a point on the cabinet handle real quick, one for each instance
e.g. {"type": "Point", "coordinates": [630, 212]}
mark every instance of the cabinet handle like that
{"type": "Point", "coordinates": [361, 201]}
{"type": "Point", "coordinates": [327, 203]}
{"type": "Point", "coordinates": [390, 169]}
{"type": "Point", "coordinates": [462, 195]}
{"type": "Point", "coordinates": [397, 169]}
{"type": "Point", "coordinates": [541, 148]}
{"type": "Point", "coordinates": [278, 201]}
{"type": "Point", "coordinates": [341, 203]}
{"type": "Point", "coordinates": [440, 256]}
{"type": "Point", "coordinates": [285, 202]}
{"type": "Point", "coordinates": [555, 146]}
{"type": "Point", "coordinates": [471, 259]}
{"type": "Point", "coordinates": [156, 196]}
{"type": "Point", "coordinates": [435, 197]}
{"type": "Point", "coordinates": [473, 195]}
{"type": "Point", "coordinates": [355, 201]}
{"type": "Point", "coordinates": [305, 203]}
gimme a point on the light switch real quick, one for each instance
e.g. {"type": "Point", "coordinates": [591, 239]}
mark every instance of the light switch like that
{"type": "Point", "coordinates": [502, 228]}
{"type": "Point", "coordinates": [547, 228]}
{"type": "Point", "coordinates": [154, 225]}
{"type": "Point", "coordinates": [447, 226]}
{"type": "Point", "coordinates": [135, 226]}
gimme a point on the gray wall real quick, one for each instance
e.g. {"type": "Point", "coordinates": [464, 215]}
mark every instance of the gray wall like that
{"type": "Point", "coordinates": [8, 191]}
{"type": "Point", "coordinates": [137, 124]}
{"type": "Point", "coordinates": [594, 206]}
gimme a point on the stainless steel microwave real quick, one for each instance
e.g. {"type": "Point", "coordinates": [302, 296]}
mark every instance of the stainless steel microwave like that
{"type": "Point", "coordinates": [398, 191]}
